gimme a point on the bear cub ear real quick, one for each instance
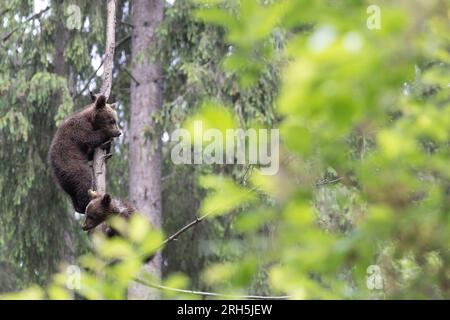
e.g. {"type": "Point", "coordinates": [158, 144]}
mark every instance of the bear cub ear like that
{"type": "Point", "coordinates": [106, 200]}
{"type": "Point", "coordinates": [100, 102]}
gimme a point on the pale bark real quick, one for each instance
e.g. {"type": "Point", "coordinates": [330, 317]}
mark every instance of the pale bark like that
{"type": "Point", "coordinates": [108, 61]}
{"type": "Point", "coordinates": [99, 162]}
{"type": "Point", "coordinates": [144, 148]}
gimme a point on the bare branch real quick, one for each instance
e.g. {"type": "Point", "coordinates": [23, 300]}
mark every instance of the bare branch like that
{"type": "Point", "coordinates": [5, 11]}
{"type": "Point", "coordinates": [127, 24]}
{"type": "Point", "coordinates": [34, 16]}
{"type": "Point", "coordinates": [326, 181]}
{"type": "Point", "coordinates": [212, 294]}
{"type": "Point", "coordinates": [131, 76]}
{"type": "Point", "coordinates": [196, 221]}
{"type": "Point", "coordinates": [184, 229]}
{"type": "Point", "coordinates": [92, 76]}
{"type": "Point", "coordinates": [88, 82]}
{"type": "Point", "coordinates": [109, 49]}
{"type": "Point", "coordinates": [99, 161]}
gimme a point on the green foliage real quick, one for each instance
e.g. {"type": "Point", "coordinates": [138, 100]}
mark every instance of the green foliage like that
{"type": "Point", "coordinates": [196, 87]}
{"type": "Point", "coordinates": [106, 272]}
{"type": "Point", "coordinates": [332, 89]}
{"type": "Point", "coordinates": [226, 196]}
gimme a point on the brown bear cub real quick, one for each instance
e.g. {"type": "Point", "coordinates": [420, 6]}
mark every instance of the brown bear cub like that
{"type": "Point", "coordinates": [100, 209]}
{"type": "Point", "coordinates": [73, 146]}
{"type": "Point", "coordinates": [103, 206]}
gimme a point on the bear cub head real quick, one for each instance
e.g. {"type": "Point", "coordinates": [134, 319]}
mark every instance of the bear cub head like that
{"type": "Point", "coordinates": [101, 207]}
{"type": "Point", "coordinates": [105, 117]}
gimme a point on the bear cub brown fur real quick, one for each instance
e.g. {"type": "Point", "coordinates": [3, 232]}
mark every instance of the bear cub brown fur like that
{"type": "Point", "coordinates": [73, 146]}
{"type": "Point", "coordinates": [103, 206]}
{"type": "Point", "coordinates": [100, 209]}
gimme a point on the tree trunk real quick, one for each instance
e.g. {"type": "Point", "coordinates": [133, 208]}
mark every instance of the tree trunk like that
{"type": "Point", "coordinates": [145, 148]}
{"type": "Point", "coordinates": [99, 161]}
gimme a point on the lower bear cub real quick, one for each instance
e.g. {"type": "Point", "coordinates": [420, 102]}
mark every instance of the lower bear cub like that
{"type": "Point", "coordinates": [73, 146]}
{"type": "Point", "coordinates": [103, 206]}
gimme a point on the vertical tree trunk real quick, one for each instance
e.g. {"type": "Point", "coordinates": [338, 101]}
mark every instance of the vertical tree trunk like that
{"type": "Point", "coordinates": [145, 149]}
{"type": "Point", "coordinates": [99, 162]}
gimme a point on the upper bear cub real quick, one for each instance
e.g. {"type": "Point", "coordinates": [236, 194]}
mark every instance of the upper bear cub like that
{"type": "Point", "coordinates": [74, 144]}
{"type": "Point", "coordinates": [103, 206]}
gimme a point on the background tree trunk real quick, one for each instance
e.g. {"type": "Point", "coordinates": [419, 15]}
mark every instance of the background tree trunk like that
{"type": "Point", "coordinates": [145, 148]}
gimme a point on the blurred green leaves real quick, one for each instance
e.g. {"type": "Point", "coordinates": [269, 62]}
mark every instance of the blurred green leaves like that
{"type": "Point", "coordinates": [211, 115]}
{"type": "Point", "coordinates": [248, 25]}
{"type": "Point", "coordinates": [225, 195]}
{"type": "Point", "coordinates": [106, 272]}
{"type": "Point", "coordinates": [343, 83]}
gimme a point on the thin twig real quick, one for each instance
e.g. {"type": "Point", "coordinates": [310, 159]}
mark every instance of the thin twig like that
{"type": "Point", "coordinates": [212, 294]}
{"type": "Point", "coordinates": [131, 76]}
{"type": "Point", "coordinates": [196, 221]}
{"type": "Point", "coordinates": [325, 181]}
{"type": "Point", "coordinates": [88, 82]}
{"type": "Point", "coordinates": [5, 11]}
{"type": "Point", "coordinates": [34, 16]}
{"type": "Point", "coordinates": [92, 76]}
{"type": "Point", "coordinates": [127, 24]}
{"type": "Point", "coordinates": [170, 175]}
{"type": "Point", "coordinates": [182, 230]}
